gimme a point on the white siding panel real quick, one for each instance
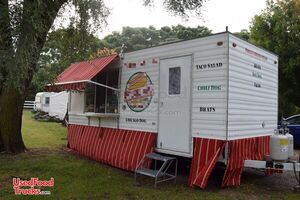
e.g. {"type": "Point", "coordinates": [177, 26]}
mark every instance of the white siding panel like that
{"type": "Point", "coordinates": [77, 102]}
{"type": "Point", "coordinates": [135, 124]}
{"type": "Point", "coordinates": [109, 122]}
{"type": "Point", "coordinates": [207, 74]}
{"type": "Point", "coordinates": [209, 93]}
{"type": "Point", "coordinates": [81, 119]}
{"type": "Point", "coordinates": [94, 121]}
{"type": "Point", "coordinates": [78, 119]}
{"type": "Point", "coordinates": [253, 90]}
{"type": "Point", "coordinates": [103, 122]}
{"type": "Point", "coordinates": [264, 95]}
{"type": "Point", "coordinates": [240, 74]}
{"type": "Point", "coordinates": [147, 119]}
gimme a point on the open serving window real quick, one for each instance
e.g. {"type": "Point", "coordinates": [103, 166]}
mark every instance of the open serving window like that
{"type": "Point", "coordinates": [102, 93]}
{"type": "Point", "coordinates": [97, 82]}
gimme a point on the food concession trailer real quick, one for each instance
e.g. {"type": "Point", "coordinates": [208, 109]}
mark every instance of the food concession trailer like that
{"type": "Point", "coordinates": [210, 99]}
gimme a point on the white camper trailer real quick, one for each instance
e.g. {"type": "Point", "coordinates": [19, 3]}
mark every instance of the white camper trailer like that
{"type": "Point", "coordinates": [207, 98]}
{"type": "Point", "coordinates": [42, 101]}
{"type": "Point", "coordinates": [58, 105]}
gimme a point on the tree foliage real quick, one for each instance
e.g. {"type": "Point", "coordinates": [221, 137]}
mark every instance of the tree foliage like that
{"type": "Point", "coordinates": [277, 28]}
{"type": "Point", "coordinates": [63, 46]}
{"type": "Point", "coordinates": [142, 37]}
{"type": "Point", "coordinates": [180, 7]}
{"type": "Point", "coordinates": [244, 33]}
{"type": "Point", "coordinates": [103, 52]}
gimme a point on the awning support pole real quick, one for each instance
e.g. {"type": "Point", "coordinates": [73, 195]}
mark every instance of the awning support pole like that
{"type": "Point", "coordinates": [99, 84]}
{"type": "Point", "coordinates": [87, 81]}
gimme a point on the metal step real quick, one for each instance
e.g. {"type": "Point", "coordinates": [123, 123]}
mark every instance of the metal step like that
{"type": "Point", "coordinates": [162, 174]}
{"type": "Point", "coordinates": [156, 156]}
{"type": "Point", "coordinates": [147, 172]}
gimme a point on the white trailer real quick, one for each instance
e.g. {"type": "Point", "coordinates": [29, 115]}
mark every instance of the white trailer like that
{"type": "Point", "coordinates": [215, 96]}
{"type": "Point", "coordinates": [217, 87]}
{"type": "Point", "coordinates": [42, 101]}
{"type": "Point", "coordinates": [58, 105]}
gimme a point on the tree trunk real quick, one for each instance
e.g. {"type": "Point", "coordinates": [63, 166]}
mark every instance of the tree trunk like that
{"type": "Point", "coordinates": [19, 63]}
{"type": "Point", "coordinates": [11, 104]}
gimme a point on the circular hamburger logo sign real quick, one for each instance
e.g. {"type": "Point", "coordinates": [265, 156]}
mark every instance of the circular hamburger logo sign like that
{"type": "Point", "coordinates": [138, 91]}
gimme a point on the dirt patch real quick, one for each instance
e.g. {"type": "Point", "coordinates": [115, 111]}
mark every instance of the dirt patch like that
{"type": "Point", "coordinates": [33, 152]}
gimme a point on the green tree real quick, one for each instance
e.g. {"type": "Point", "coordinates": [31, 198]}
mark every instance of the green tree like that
{"type": "Point", "coordinates": [140, 37]}
{"type": "Point", "coordinates": [277, 28]}
{"type": "Point", "coordinates": [167, 34]}
{"type": "Point", "coordinates": [186, 33]}
{"type": "Point", "coordinates": [62, 47]}
{"type": "Point", "coordinates": [244, 33]}
{"type": "Point", "coordinates": [24, 25]}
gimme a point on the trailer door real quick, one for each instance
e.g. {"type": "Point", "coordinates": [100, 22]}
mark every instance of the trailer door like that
{"type": "Point", "coordinates": [174, 105]}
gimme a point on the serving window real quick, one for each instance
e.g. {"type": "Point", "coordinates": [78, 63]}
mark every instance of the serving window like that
{"type": "Point", "coordinates": [101, 95]}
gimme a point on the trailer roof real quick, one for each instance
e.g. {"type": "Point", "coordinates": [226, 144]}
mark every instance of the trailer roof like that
{"type": "Point", "coordinates": [177, 41]}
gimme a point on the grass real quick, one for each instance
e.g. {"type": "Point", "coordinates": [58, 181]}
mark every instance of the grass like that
{"type": "Point", "coordinates": [79, 178]}
{"type": "Point", "coordinates": [42, 134]}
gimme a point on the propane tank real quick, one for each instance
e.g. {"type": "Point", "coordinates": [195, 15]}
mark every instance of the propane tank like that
{"type": "Point", "coordinates": [286, 132]}
{"type": "Point", "coordinates": [291, 144]}
{"type": "Point", "coordinates": [279, 146]}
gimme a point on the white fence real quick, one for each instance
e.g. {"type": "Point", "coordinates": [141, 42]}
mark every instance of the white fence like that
{"type": "Point", "coordinates": [29, 105]}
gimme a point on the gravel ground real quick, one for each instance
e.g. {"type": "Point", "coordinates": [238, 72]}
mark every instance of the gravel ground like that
{"type": "Point", "coordinates": [277, 182]}
{"type": "Point", "coordinates": [251, 178]}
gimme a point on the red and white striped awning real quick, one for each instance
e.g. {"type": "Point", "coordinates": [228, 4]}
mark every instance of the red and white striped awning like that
{"type": "Point", "coordinates": [78, 74]}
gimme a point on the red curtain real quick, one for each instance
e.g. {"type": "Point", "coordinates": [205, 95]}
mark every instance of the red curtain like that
{"type": "Point", "coordinates": [207, 152]}
{"type": "Point", "coordinates": [205, 156]}
{"type": "Point", "coordinates": [240, 150]}
{"type": "Point", "coordinates": [117, 147]}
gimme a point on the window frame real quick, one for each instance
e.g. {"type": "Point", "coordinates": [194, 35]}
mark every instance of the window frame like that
{"type": "Point", "coordinates": [108, 94]}
{"type": "Point", "coordinates": [169, 75]}
{"type": "Point", "coordinates": [296, 120]}
{"type": "Point", "coordinates": [47, 100]}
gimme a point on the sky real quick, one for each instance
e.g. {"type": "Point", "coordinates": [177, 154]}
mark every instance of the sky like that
{"type": "Point", "coordinates": [216, 15]}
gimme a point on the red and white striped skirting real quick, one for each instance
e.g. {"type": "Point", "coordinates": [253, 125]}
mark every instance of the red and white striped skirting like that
{"type": "Point", "coordinates": [240, 150]}
{"type": "Point", "coordinates": [117, 147]}
{"type": "Point", "coordinates": [207, 152]}
{"type": "Point", "coordinates": [205, 156]}
{"type": "Point", "coordinates": [125, 149]}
